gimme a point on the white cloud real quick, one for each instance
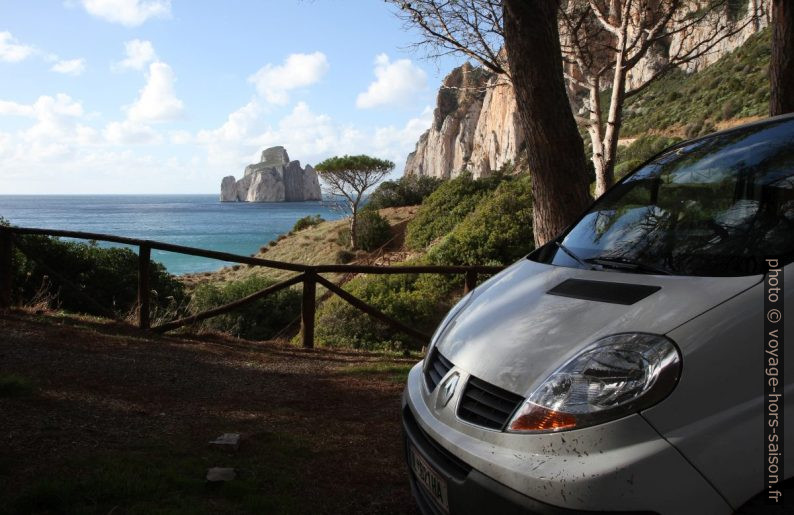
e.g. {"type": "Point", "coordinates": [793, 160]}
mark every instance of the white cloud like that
{"type": "Point", "coordinates": [395, 83]}
{"type": "Point", "coordinates": [9, 108]}
{"type": "Point", "coordinates": [57, 125]}
{"type": "Point", "coordinates": [56, 120]}
{"type": "Point", "coordinates": [69, 67]}
{"type": "Point", "coordinates": [312, 136]}
{"type": "Point", "coordinates": [397, 142]}
{"type": "Point", "coordinates": [229, 145]}
{"type": "Point", "coordinates": [298, 70]}
{"type": "Point", "coordinates": [11, 51]}
{"type": "Point", "coordinates": [180, 137]}
{"type": "Point", "coordinates": [157, 101]}
{"type": "Point", "coordinates": [139, 54]}
{"type": "Point", "coordinates": [130, 13]}
{"type": "Point", "coordinates": [130, 132]}
{"type": "Point", "coordinates": [307, 135]}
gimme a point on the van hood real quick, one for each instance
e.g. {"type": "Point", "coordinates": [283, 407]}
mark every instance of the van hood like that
{"type": "Point", "coordinates": [513, 333]}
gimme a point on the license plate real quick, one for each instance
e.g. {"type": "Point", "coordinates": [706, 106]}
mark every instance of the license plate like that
{"type": "Point", "coordinates": [429, 478]}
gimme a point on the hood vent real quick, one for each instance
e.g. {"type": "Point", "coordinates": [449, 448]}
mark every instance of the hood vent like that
{"type": "Point", "coordinates": [603, 291]}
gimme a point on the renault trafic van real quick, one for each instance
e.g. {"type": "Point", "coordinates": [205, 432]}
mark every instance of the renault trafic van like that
{"type": "Point", "coordinates": [626, 366]}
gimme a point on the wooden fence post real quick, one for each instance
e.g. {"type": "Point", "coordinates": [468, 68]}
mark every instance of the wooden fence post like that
{"type": "Point", "coordinates": [470, 282]}
{"type": "Point", "coordinates": [307, 311]}
{"type": "Point", "coordinates": [6, 274]}
{"type": "Point", "coordinates": [144, 255]}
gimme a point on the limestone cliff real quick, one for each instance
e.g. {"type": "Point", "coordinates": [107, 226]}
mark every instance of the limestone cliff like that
{"type": "Point", "coordinates": [273, 179]}
{"type": "Point", "coordinates": [476, 126]}
{"type": "Point", "coordinates": [445, 149]}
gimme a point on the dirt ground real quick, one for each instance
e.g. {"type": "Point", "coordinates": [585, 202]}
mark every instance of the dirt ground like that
{"type": "Point", "coordinates": [106, 420]}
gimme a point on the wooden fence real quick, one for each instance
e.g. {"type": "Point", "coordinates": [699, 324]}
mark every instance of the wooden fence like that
{"type": "Point", "coordinates": [307, 275]}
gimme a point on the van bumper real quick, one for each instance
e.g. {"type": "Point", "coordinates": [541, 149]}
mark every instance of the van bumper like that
{"type": "Point", "coordinates": [473, 492]}
{"type": "Point", "coordinates": [623, 466]}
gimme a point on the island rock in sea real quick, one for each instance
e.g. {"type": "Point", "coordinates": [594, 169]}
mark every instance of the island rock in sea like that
{"type": "Point", "coordinates": [273, 179]}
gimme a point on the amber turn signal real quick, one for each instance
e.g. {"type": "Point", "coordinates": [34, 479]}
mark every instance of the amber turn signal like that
{"type": "Point", "coordinates": [532, 417]}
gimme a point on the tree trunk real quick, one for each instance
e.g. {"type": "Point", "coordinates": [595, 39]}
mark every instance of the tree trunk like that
{"type": "Point", "coordinates": [606, 177]}
{"type": "Point", "coordinates": [596, 132]}
{"type": "Point", "coordinates": [781, 68]}
{"type": "Point", "coordinates": [555, 150]}
{"type": "Point", "coordinates": [353, 224]}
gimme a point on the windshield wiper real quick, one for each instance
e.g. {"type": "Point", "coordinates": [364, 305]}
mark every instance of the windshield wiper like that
{"type": "Point", "coordinates": [573, 255]}
{"type": "Point", "coordinates": [628, 264]}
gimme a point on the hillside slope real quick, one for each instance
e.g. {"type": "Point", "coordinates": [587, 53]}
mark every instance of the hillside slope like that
{"type": "Point", "coordinates": [732, 90]}
{"type": "Point", "coordinates": [319, 244]}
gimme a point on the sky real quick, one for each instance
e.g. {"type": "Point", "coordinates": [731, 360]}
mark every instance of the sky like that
{"type": "Point", "coordinates": [170, 96]}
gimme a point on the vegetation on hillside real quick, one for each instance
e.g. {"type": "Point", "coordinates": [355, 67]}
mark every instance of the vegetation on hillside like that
{"type": "Point", "coordinates": [495, 229]}
{"type": "Point", "coordinates": [408, 190]}
{"type": "Point", "coordinates": [640, 150]}
{"type": "Point", "coordinates": [736, 86]}
{"type": "Point", "coordinates": [446, 207]}
{"type": "Point", "coordinates": [497, 232]}
{"type": "Point", "coordinates": [85, 278]}
{"type": "Point", "coordinates": [262, 319]}
{"type": "Point", "coordinates": [307, 221]}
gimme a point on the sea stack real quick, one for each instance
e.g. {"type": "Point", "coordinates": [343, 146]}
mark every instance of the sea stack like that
{"type": "Point", "coordinates": [273, 179]}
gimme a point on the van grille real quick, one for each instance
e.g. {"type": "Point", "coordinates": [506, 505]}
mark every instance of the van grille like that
{"type": "Point", "coordinates": [487, 405]}
{"type": "Point", "coordinates": [437, 367]}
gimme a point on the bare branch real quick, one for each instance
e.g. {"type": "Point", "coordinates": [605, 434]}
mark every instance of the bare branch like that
{"type": "Point", "coordinates": [469, 27]}
{"type": "Point", "coordinates": [601, 17]}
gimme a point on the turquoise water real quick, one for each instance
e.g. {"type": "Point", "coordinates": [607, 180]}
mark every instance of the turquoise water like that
{"type": "Point", "coordinates": [192, 220]}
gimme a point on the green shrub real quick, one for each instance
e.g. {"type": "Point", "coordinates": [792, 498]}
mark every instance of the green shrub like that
{"type": "Point", "coordinates": [735, 86]}
{"type": "Point", "coordinates": [372, 230]}
{"type": "Point", "coordinates": [258, 320]}
{"type": "Point", "coordinates": [306, 222]}
{"type": "Point", "coordinates": [693, 129]}
{"type": "Point", "coordinates": [408, 190]}
{"type": "Point", "coordinates": [446, 207]}
{"type": "Point", "coordinates": [344, 256]}
{"type": "Point", "coordinates": [643, 148]}
{"type": "Point", "coordinates": [109, 276]}
{"type": "Point", "coordinates": [418, 301]}
{"type": "Point", "coordinates": [497, 232]}
{"type": "Point", "coordinates": [343, 237]}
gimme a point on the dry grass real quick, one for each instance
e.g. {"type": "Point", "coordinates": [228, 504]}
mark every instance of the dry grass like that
{"type": "Point", "coordinates": [315, 245]}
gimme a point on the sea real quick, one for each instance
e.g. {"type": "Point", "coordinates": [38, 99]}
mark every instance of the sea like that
{"type": "Point", "coordinates": [192, 220]}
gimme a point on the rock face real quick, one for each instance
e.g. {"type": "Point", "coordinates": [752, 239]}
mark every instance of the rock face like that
{"type": "Point", "coordinates": [446, 148]}
{"type": "Point", "coordinates": [476, 127]}
{"type": "Point", "coordinates": [273, 179]}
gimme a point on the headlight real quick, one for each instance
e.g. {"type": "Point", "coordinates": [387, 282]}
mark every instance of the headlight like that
{"type": "Point", "coordinates": [616, 376]}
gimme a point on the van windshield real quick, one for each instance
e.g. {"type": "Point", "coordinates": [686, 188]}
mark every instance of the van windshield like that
{"type": "Point", "coordinates": [718, 206]}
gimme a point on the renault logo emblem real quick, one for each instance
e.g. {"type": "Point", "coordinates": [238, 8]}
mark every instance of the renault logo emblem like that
{"type": "Point", "coordinates": [447, 390]}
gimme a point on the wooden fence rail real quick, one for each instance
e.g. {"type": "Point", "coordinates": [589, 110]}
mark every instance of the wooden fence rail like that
{"type": "Point", "coordinates": [308, 276]}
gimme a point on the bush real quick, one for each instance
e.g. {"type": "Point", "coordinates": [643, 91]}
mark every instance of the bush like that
{"type": "Point", "coordinates": [344, 256]}
{"type": "Point", "coordinates": [109, 276]}
{"type": "Point", "coordinates": [372, 230]}
{"type": "Point", "coordinates": [306, 222]}
{"type": "Point", "coordinates": [738, 80]}
{"type": "Point", "coordinates": [259, 320]}
{"type": "Point", "coordinates": [408, 190]}
{"type": "Point", "coordinates": [446, 207]}
{"type": "Point", "coordinates": [418, 301]}
{"type": "Point", "coordinates": [643, 148]}
{"type": "Point", "coordinates": [497, 232]}
{"type": "Point", "coordinates": [343, 237]}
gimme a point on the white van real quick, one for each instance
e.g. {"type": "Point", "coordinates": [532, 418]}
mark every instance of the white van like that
{"type": "Point", "coordinates": [626, 366]}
